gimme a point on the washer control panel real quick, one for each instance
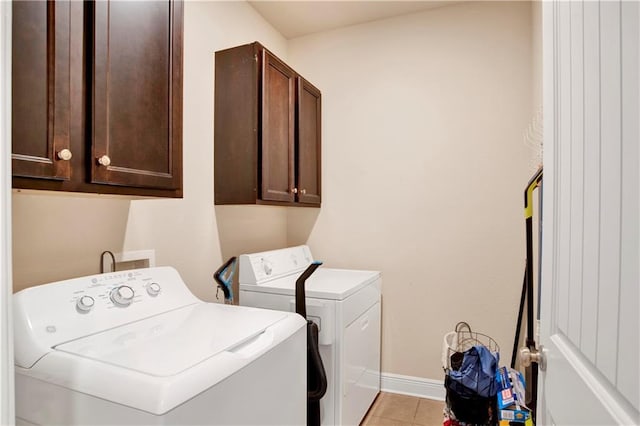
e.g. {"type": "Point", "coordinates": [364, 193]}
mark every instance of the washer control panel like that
{"type": "Point", "coordinates": [115, 290]}
{"type": "Point", "coordinates": [269, 265]}
{"type": "Point", "coordinates": [65, 310]}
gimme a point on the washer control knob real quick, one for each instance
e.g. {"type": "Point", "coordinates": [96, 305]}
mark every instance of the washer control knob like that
{"type": "Point", "coordinates": [85, 304]}
{"type": "Point", "coordinates": [122, 296]}
{"type": "Point", "coordinates": [153, 289]}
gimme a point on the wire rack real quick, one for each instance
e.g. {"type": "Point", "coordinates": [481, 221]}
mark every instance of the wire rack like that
{"type": "Point", "coordinates": [456, 342]}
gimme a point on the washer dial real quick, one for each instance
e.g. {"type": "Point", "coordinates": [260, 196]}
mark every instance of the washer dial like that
{"type": "Point", "coordinates": [85, 304]}
{"type": "Point", "coordinates": [122, 296]}
{"type": "Point", "coordinates": [153, 289]}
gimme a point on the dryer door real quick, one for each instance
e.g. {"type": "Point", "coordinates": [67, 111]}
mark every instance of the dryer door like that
{"type": "Point", "coordinates": [361, 378]}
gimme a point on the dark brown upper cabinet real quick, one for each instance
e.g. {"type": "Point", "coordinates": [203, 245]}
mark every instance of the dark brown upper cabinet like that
{"type": "Point", "coordinates": [267, 131]}
{"type": "Point", "coordinates": [308, 154]}
{"type": "Point", "coordinates": [123, 92]}
{"type": "Point", "coordinates": [137, 93]}
{"type": "Point", "coordinates": [40, 99]}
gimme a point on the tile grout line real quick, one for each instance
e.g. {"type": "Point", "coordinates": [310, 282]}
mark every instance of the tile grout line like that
{"type": "Point", "coordinates": [415, 413]}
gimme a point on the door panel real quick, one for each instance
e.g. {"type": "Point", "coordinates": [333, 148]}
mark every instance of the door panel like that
{"type": "Point", "coordinates": [136, 89]}
{"type": "Point", "coordinates": [40, 89]}
{"type": "Point", "coordinates": [629, 319]}
{"type": "Point", "coordinates": [591, 210]}
{"type": "Point", "coordinates": [589, 317]}
{"type": "Point", "coordinates": [608, 297]}
{"type": "Point", "coordinates": [564, 174]}
{"type": "Point", "coordinates": [576, 194]}
{"type": "Point", "coordinates": [309, 141]}
{"type": "Point", "coordinates": [278, 97]}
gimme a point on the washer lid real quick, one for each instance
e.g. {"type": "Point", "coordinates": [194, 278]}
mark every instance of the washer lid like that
{"type": "Point", "coordinates": [325, 283]}
{"type": "Point", "coordinates": [172, 342]}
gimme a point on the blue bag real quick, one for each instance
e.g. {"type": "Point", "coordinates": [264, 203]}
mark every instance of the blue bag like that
{"type": "Point", "coordinates": [477, 372]}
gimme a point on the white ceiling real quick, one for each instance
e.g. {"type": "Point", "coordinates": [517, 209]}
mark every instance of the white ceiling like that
{"type": "Point", "coordinates": [297, 18]}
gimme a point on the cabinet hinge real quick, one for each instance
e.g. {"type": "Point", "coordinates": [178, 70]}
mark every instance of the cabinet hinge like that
{"type": "Point", "coordinates": [255, 57]}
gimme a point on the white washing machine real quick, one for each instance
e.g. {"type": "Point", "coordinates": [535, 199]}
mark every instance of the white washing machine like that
{"type": "Point", "coordinates": [346, 306]}
{"type": "Point", "coordinates": [136, 347]}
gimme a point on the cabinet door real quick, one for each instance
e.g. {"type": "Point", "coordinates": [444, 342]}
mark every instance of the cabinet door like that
{"type": "Point", "coordinates": [278, 97]}
{"type": "Point", "coordinates": [40, 89]}
{"type": "Point", "coordinates": [308, 153]}
{"type": "Point", "coordinates": [136, 93]}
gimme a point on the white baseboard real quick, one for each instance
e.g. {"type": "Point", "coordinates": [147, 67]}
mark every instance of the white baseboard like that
{"type": "Point", "coordinates": [414, 386]}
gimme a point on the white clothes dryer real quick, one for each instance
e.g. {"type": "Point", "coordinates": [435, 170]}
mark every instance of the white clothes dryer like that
{"type": "Point", "coordinates": [345, 304]}
{"type": "Point", "coordinates": [137, 347]}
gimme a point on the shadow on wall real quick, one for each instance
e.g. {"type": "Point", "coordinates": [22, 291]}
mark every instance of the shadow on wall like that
{"type": "Point", "coordinates": [60, 236]}
{"type": "Point", "coordinates": [251, 228]}
{"type": "Point", "coordinates": [300, 223]}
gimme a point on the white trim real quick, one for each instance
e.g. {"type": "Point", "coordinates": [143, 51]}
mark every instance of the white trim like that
{"type": "Point", "coordinates": [549, 157]}
{"type": "Point", "coordinates": [414, 386]}
{"type": "Point", "coordinates": [7, 405]}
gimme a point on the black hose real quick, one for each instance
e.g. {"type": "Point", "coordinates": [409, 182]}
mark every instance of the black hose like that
{"type": "Point", "coordinates": [316, 375]}
{"type": "Point", "coordinates": [301, 302]}
{"type": "Point", "coordinates": [113, 261]}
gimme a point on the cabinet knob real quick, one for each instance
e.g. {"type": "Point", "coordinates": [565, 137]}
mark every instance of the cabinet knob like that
{"type": "Point", "coordinates": [64, 154]}
{"type": "Point", "coordinates": [294, 190]}
{"type": "Point", "coordinates": [104, 160]}
{"type": "Point", "coordinates": [303, 191]}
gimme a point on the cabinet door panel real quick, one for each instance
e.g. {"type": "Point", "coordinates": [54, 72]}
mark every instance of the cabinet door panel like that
{"type": "Point", "coordinates": [309, 122]}
{"type": "Point", "coordinates": [278, 97]}
{"type": "Point", "coordinates": [40, 89]}
{"type": "Point", "coordinates": [137, 93]}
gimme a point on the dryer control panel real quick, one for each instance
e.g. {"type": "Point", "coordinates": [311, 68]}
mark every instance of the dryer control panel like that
{"type": "Point", "coordinates": [50, 314]}
{"type": "Point", "coordinates": [262, 267]}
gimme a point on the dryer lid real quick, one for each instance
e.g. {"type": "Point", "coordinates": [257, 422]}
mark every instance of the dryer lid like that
{"type": "Point", "coordinates": [172, 342]}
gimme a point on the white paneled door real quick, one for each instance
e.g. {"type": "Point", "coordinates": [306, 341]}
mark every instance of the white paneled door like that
{"type": "Point", "coordinates": [589, 323]}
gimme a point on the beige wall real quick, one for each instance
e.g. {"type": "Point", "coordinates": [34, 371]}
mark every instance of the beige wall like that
{"type": "Point", "coordinates": [58, 236]}
{"type": "Point", "coordinates": [424, 168]}
{"type": "Point", "coordinates": [192, 234]}
{"type": "Point", "coordinates": [423, 171]}
{"type": "Point", "coordinates": [536, 40]}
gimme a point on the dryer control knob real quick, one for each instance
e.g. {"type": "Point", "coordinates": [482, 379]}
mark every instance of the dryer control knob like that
{"type": "Point", "coordinates": [85, 304]}
{"type": "Point", "coordinates": [153, 289]}
{"type": "Point", "coordinates": [268, 268]}
{"type": "Point", "coordinates": [122, 296]}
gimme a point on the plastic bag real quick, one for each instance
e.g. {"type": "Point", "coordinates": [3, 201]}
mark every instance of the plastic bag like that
{"type": "Point", "coordinates": [478, 371]}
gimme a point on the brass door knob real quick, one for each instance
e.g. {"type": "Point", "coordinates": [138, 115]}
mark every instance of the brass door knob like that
{"type": "Point", "coordinates": [294, 190]}
{"type": "Point", "coordinates": [527, 357]}
{"type": "Point", "coordinates": [64, 154]}
{"type": "Point", "coordinates": [304, 191]}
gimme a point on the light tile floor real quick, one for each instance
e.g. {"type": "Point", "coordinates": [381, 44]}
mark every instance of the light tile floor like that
{"type": "Point", "coordinates": [391, 409]}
